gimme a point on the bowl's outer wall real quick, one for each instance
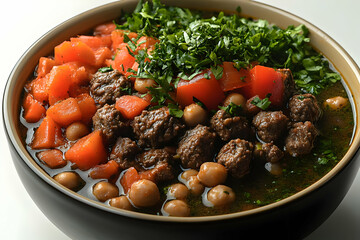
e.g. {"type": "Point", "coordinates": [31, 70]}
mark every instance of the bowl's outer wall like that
{"type": "Point", "coordinates": [80, 220]}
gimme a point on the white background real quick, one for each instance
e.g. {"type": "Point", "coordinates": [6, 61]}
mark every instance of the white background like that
{"type": "Point", "coordinates": [24, 21]}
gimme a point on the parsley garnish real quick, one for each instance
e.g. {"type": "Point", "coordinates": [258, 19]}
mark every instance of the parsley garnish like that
{"type": "Point", "coordinates": [232, 109]}
{"type": "Point", "coordinates": [188, 44]}
{"type": "Point", "coordinates": [262, 103]}
{"type": "Point", "coordinates": [105, 69]}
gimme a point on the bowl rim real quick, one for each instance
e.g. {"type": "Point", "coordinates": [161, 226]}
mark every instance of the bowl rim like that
{"type": "Point", "coordinates": [24, 156]}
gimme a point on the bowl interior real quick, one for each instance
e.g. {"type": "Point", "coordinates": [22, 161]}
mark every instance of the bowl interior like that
{"type": "Point", "coordinates": [86, 21]}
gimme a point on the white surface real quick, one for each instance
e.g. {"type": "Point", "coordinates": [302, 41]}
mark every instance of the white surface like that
{"type": "Point", "coordinates": [23, 22]}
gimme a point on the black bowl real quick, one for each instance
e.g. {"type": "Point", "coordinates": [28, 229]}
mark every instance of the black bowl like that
{"type": "Point", "coordinates": [82, 218]}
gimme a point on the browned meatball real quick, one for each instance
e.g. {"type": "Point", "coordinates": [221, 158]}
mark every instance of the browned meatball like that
{"type": "Point", "coordinates": [228, 127]}
{"type": "Point", "coordinates": [156, 128]}
{"type": "Point", "coordinates": [270, 126]}
{"type": "Point", "coordinates": [304, 107]}
{"type": "Point", "coordinates": [268, 152]}
{"type": "Point", "coordinates": [301, 138]}
{"type": "Point", "coordinates": [106, 87]}
{"type": "Point", "coordinates": [236, 157]}
{"type": "Point", "coordinates": [110, 122]}
{"type": "Point", "coordinates": [196, 147]}
{"type": "Point", "coordinates": [124, 152]}
{"type": "Point", "coordinates": [160, 163]}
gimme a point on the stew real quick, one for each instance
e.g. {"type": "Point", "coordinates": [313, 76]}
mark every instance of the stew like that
{"type": "Point", "coordinates": [168, 111]}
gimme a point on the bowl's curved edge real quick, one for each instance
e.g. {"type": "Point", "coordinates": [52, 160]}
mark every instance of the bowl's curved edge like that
{"type": "Point", "coordinates": [8, 125]}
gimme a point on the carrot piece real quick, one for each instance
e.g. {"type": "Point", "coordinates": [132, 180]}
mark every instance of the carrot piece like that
{"type": "Point", "coordinates": [87, 107]}
{"type": "Point", "coordinates": [88, 151]}
{"type": "Point", "coordinates": [39, 89]}
{"type": "Point", "coordinates": [79, 73]}
{"type": "Point", "coordinates": [33, 110]}
{"type": "Point", "coordinates": [131, 175]}
{"type": "Point", "coordinates": [101, 54]}
{"type": "Point", "coordinates": [65, 112]}
{"type": "Point", "coordinates": [48, 135]}
{"type": "Point", "coordinates": [44, 67]}
{"type": "Point", "coordinates": [123, 60]}
{"type": "Point", "coordinates": [130, 106]}
{"type": "Point", "coordinates": [106, 170]}
{"type": "Point", "coordinates": [104, 29]}
{"type": "Point", "coordinates": [53, 158]}
{"type": "Point", "coordinates": [72, 52]}
{"type": "Point", "coordinates": [59, 82]}
{"type": "Point", "coordinates": [117, 37]}
{"type": "Point", "coordinates": [94, 42]}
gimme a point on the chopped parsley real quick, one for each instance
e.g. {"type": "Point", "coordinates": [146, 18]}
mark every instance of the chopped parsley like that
{"type": "Point", "coordinates": [105, 69]}
{"type": "Point", "coordinates": [189, 43]}
{"type": "Point", "coordinates": [232, 109]}
{"type": "Point", "coordinates": [262, 103]}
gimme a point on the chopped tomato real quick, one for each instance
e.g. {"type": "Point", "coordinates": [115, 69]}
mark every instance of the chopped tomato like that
{"type": "Point", "coordinates": [264, 81]}
{"type": "Point", "coordinates": [204, 88]}
{"type": "Point", "coordinates": [233, 78]}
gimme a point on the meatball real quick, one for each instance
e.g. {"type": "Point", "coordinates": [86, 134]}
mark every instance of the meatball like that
{"type": "Point", "coordinates": [270, 126]}
{"type": "Point", "coordinates": [304, 107]}
{"type": "Point", "coordinates": [106, 87]}
{"type": "Point", "coordinates": [124, 152]}
{"type": "Point", "coordinates": [109, 121]}
{"type": "Point", "coordinates": [228, 127]}
{"type": "Point", "coordinates": [269, 152]}
{"type": "Point", "coordinates": [301, 138]}
{"type": "Point", "coordinates": [160, 163]}
{"type": "Point", "coordinates": [156, 128]}
{"type": "Point", "coordinates": [236, 157]}
{"type": "Point", "coordinates": [196, 147]}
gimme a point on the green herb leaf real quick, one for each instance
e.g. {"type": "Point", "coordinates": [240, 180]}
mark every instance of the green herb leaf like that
{"type": "Point", "coordinates": [261, 103]}
{"type": "Point", "coordinates": [175, 111]}
{"type": "Point", "coordinates": [105, 69]}
{"type": "Point", "coordinates": [232, 109]}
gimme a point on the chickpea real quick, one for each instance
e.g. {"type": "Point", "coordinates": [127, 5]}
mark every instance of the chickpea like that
{"type": "Point", "coordinates": [144, 193]}
{"type": "Point", "coordinates": [235, 98]}
{"type": "Point", "coordinates": [177, 208]}
{"type": "Point", "coordinates": [195, 186]}
{"type": "Point", "coordinates": [221, 195]}
{"type": "Point", "coordinates": [121, 202]}
{"type": "Point", "coordinates": [212, 174]}
{"type": "Point", "coordinates": [194, 114]}
{"type": "Point", "coordinates": [185, 176]}
{"type": "Point", "coordinates": [274, 168]}
{"type": "Point", "coordinates": [105, 190]}
{"type": "Point", "coordinates": [141, 85]}
{"type": "Point", "coordinates": [70, 180]}
{"type": "Point", "coordinates": [336, 103]}
{"type": "Point", "coordinates": [76, 130]}
{"type": "Point", "coordinates": [178, 191]}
